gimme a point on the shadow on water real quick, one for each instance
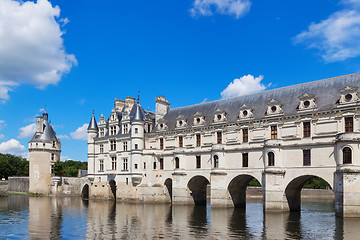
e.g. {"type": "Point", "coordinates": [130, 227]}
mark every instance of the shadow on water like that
{"type": "Point", "coordinates": [198, 221]}
{"type": "Point", "coordinates": [237, 224]}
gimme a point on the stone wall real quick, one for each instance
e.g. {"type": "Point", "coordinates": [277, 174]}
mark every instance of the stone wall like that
{"type": "Point", "coordinates": [67, 186]}
{"type": "Point", "coordinates": [18, 184]}
{"type": "Point", "coordinates": [3, 188]}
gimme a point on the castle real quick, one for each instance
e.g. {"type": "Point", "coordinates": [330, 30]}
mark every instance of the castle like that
{"type": "Point", "coordinates": [282, 137]}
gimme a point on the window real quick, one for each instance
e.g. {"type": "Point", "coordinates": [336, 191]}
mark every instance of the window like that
{"type": "Point", "coordinates": [101, 167]}
{"type": "Point", "coordinates": [306, 157]}
{"type": "Point", "coordinates": [113, 163]}
{"type": "Point", "coordinates": [245, 132]}
{"type": "Point", "coordinates": [245, 159]}
{"type": "Point", "coordinates": [271, 159]}
{"type": "Point", "coordinates": [216, 161]}
{"type": "Point", "coordinates": [113, 130]}
{"type": "Point", "coordinates": [347, 158]}
{"type": "Point", "coordinates": [136, 146]}
{"type": "Point", "coordinates": [177, 162]}
{"type": "Point", "coordinates": [306, 126]}
{"type": "Point", "coordinates": [125, 129]}
{"type": "Point", "coordinates": [180, 141]}
{"type": "Point", "coordinates": [127, 181]}
{"type": "Point", "coordinates": [161, 160]}
{"type": "Point", "coordinates": [53, 144]}
{"type": "Point", "coordinates": [273, 132]}
{"type": "Point", "coordinates": [144, 165]}
{"type": "Point", "coordinates": [52, 157]}
{"type": "Point", "coordinates": [102, 131]}
{"type": "Point", "coordinates": [154, 166]}
{"type": "Point", "coordinates": [135, 166]}
{"type": "Point", "coordinates": [125, 146]}
{"type": "Point", "coordinates": [161, 143]}
{"type": "Point", "coordinates": [219, 137]}
{"type": "Point", "coordinates": [149, 127]}
{"type": "Point", "coordinates": [125, 164]}
{"type": "Point", "coordinates": [112, 145]}
{"type": "Point", "coordinates": [198, 161]}
{"type": "Point", "coordinates": [348, 124]}
{"type": "Point", "coordinates": [198, 140]}
{"type": "Point", "coordinates": [101, 148]}
{"type": "Point", "coordinates": [136, 130]}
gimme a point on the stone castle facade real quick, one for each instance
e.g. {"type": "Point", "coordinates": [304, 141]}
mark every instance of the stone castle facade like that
{"type": "Point", "coordinates": [282, 137]}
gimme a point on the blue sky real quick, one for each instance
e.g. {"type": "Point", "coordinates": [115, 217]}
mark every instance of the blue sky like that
{"type": "Point", "coordinates": [73, 56]}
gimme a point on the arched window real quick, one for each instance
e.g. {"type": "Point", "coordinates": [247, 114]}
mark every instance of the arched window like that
{"type": "Point", "coordinates": [216, 161]}
{"type": "Point", "coordinates": [271, 159]}
{"type": "Point", "coordinates": [177, 162]}
{"type": "Point", "coordinates": [347, 155]}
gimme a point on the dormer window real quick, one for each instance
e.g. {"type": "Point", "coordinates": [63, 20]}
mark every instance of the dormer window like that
{"type": "Point", "coordinates": [245, 112]}
{"type": "Point", "coordinates": [199, 119]}
{"type": "Point", "coordinates": [274, 107]}
{"type": "Point", "coordinates": [307, 101]}
{"type": "Point", "coordinates": [161, 125]}
{"type": "Point", "coordinates": [348, 95]}
{"type": "Point", "coordinates": [220, 116]}
{"type": "Point", "coordinates": [181, 122]}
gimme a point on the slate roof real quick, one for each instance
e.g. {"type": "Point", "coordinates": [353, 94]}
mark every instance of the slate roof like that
{"type": "Point", "coordinates": [137, 113]}
{"type": "Point", "coordinates": [326, 92]}
{"type": "Point", "coordinates": [93, 125]}
{"type": "Point", "coordinates": [48, 134]}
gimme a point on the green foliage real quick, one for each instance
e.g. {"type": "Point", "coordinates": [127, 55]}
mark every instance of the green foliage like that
{"type": "Point", "coordinates": [13, 166]}
{"type": "Point", "coordinates": [317, 183]}
{"type": "Point", "coordinates": [254, 183]}
{"type": "Point", "coordinates": [69, 168]}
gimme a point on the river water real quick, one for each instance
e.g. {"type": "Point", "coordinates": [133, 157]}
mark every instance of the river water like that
{"type": "Point", "coordinates": [23, 217]}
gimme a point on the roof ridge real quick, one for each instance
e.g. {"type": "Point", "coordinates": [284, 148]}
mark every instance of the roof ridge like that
{"type": "Point", "coordinates": [270, 90]}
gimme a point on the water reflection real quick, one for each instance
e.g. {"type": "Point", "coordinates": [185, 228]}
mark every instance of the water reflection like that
{"type": "Point", "coordinates": [73, 218]}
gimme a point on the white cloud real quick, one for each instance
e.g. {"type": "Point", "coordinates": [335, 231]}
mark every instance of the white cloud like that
{"type": "Point", "coordinates": [31, 45]}
{"type": "Point", "coordinates": [64, 158]}
{"type": "Point", "coordinates": [80, 133]}
{"type": "Point", "coordinates": [13, 147]}
{"type": "Point", "coordinates": [2, 136]}
{"type": "Point", "coordinates": [226, 7]}
{"type": "Point", "coordinates": [337, 37]}
{"type": "Point", "coordinates": [27, 131]}
{"type": "Point", "coordinates": [245, 85]}
{"type": "Point", "coordinates": [64, 136]}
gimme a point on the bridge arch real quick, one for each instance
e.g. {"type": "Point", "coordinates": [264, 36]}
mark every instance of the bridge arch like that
{"type": "Point", "coordinates": [237, 189]}
{"type": "Point", "coordinates": [198, 189]}
{"type": "Point", "coordinates": [112, 184]}
{"type": "Point", "coordinates": [85, 191]}
{"type": "Point", "coordinates": [168, 185]}
{"type": "Point", "coordinates": [293, 191]}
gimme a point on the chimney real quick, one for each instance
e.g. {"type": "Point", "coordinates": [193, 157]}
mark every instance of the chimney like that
{"type": "Point", "coordinates": [162, 107]}
{"type": "Point", "coordinates": [119, 105]}
{"type": "Point", "coordinates": [129, 102]}
{"type": "Point", "coordinates": [39, 124]}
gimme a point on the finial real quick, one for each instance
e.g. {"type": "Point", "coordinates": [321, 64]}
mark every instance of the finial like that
{"type": "Point", "coordinates": [138, 97]}
{"type": "Point", "coordinates": [93, 111]}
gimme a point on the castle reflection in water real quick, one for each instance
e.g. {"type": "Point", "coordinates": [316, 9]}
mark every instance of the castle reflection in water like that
{"type": "Point", "coordinates": [55, 218]}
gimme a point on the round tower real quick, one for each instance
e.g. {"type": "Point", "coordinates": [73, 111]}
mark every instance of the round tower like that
{"type": "Point", "coordinates": [44, 151]}
{"type": "Point", "coordinates": [137, 120]}
{"type": "Point", "coordinates": [92, 133]}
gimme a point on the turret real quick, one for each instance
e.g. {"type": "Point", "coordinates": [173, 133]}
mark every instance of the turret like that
{"type": "Point", "coordinates": [92, 133]}
{"type": "Point", "coordinates": [162, 107]}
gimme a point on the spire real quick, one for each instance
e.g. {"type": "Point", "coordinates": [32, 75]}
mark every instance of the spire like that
{"type": "Point", "coordinates": [93, 125]}
{"type": "Point", "coordinates": [138, 98]}
{"type": "Point", "coordinates": [45, 114]}
{"type": "Point", "coordinates": [137, 113]}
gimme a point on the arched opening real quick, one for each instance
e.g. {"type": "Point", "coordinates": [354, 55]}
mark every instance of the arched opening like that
{"type": "Point", "coordinates": [85, 191]}
{"type": "Point", "coordinates": [347, 155]}
{"type": "Point", "coordinates": [168, 184]}
{"type": "Point", "coordinates": [271, 159]}
{"type": "Point", "coordinates": [177, 163]}
{"type": "Point", "coordinates": [293, 189]}
{"type": "Point", "coordinates": [216, 161]}
{"type": "Point", "coordinates": [198, 187]}
{"type": "Point", "coordinates": [237, 189]}
{"type": "Point", "coordinates": [112, 184]}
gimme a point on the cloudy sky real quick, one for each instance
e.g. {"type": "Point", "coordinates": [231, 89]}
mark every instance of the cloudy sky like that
{"type": "Point", "coordinates": [73, 56]}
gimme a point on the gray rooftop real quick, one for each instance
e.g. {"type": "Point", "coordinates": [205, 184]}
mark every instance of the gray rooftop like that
{"type": "Point", "coordinates": [93, 125]}
{"type": "Point", "coordinates": [48, 134]}
{"type": "Point", "coordinates": [137, 113]}
{"type": "Point", "coordinates": [326, 93]}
